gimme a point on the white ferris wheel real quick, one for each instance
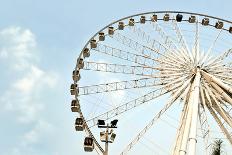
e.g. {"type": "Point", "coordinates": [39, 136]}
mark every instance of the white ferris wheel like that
{"type": "Point", "coordinates": [165, 76]}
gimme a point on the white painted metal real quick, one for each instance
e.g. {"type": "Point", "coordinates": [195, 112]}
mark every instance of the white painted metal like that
{"type": "Point", "coordinates": [201, 79]}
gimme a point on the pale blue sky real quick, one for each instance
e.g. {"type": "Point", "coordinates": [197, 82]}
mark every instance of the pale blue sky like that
{"type": "Point", "coordinates": [39, 44]}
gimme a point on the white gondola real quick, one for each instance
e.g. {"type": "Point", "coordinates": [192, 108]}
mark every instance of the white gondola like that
{"type": "Point", "coordinates": [79, 124]}
{"type": "Point", "coordinates": [205, 21]}
{"type": "Point", "coordinates": [88, 144]}
{"type": "Point", "coordinates": [81, 63]}
{"type": "Point", "coordinates": [103, 136]}
{"type": "Point", "coordinates": [154, 18]}
{"type": "Point", "coordinates": [131, 22]}
{"type": "Point", "coordinates": [74, 90]}
{"type": "Point", "coordinates": [76, 75]}
{"type": "Point", "coordinates": [93, 43]}
{"type": "Point", "coordinates": [219, 25]}
{"type": "Point", "coordinates": [179, 17]}
{"type": "Point", "coordinates": [86, 53]}
{"type": "Point", "coordinates": [101, 36]}
{"type": "Point", "coordinates": [112, 137]}
{"type": "Point", "coordinates": [111, 30]}
{"type": "Point", "coordinates": [121, 25]}
{"type": "Point", "coordinates": [75, 106]}
{"type": "Point", "coordinates": [230, 29]}
{"type": "Point", "coordinates": [142, 19]}
{"type": "Point", "coordinates": [192, 19]}
{"type": "Point", "coordinates": [166, 17]}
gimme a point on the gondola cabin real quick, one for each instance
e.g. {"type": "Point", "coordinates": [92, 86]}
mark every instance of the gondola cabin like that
{"type": "Point", "coordinates": [81, 63]}
{"type": "Point", "coordinates": [179, 17]}
{"type": "Point", "coordinates": [205, 21]}
{"type": "Point", "coordinates": [111, 30]}
{"type": "Point", "coordinates": [142, 19]}
{"type": "Point", "coordinates": [103, 136]}
{"type": "Point", "coordinates": [131, 22]}
{"type": "Point", "coordinates": [74, 90]}
{"type": "Point", "coordinates": [101, 36]}
{"type": "Point", "coordinates": [79, 124]}
{"type": "Point", "coordinates": [192, 19]}
{"type": "Point", "coordinates": [230, 29]}
{"type": "Point", "coordinates": [219, 25]}
{"type": "Point", "coordinates": [88, 144]}
{"type": "Point", "coordinates": [76, 75]}
{"type": "Point", "coordinates": [75, 107]}
{"type": "Point", "coordinates": [86, 53]}
{"type": "Point", "coordinates": [154, 18]}
{"type": "Point", "coordinates": [93, 43]}
{"type": "Point", "coordinates": [121, 25]}
{"type": "Point", "coordinates": [166, 17]}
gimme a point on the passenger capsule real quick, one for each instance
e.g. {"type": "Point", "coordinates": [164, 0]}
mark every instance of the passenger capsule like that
{"type": "Point", "coordinates": [75, 106]}
{"type": "Point", "coordinates": [121, 25]}
{"type": "Point", "coordinates": [192, 19]}
{"type": "Point", "coordinates": [76, 75]}
{"type": "Point", "coordinates": [179, 17]}
{"type": "Point", "coordinates": [80, 63]}
{"type": "Point", "coordinates": [86, 53]}
{"type": "Point", "coordinates": [205, 21]}
{"type": "Point", "coordinates": [88, 144]}
{"type": "Point", "coordinates": [230, 29]}
{"type": "Point", "coordinates": [166, 17]}
{"type": "Point", "coordinates": [131, 22]}
{"type": "Point", "coordinates": [219, 25]}
{"type": "Point", "coordinates": [79, 124]}
{"type": "Point", "coordinates": [154, 18]}
{"type": "Point", "coordinates": [101, 36]}
{"type": "Point", "coordinates": [110, 30]}
{"type": "Point", "coordinates": [93, 43]}
{"type": "Point", "coordinates": [142, 19]}
{"type": "Point", "coordinates": [74, 90]}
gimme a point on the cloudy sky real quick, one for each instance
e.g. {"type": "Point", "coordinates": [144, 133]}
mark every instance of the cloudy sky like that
{"type": "Point", "coordinates": [39, 44]}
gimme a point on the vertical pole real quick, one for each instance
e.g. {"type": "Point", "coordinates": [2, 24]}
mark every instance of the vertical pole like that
{"type": "Point", "coordinates": [184, 141]}
{"type": "Point", "coordinates": [195, 106]}
{"type": "Point", "coordinates": [107, 143]}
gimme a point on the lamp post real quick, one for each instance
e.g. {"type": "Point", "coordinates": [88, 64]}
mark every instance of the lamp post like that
{"type": "Point", "coordinates": [107, 136]}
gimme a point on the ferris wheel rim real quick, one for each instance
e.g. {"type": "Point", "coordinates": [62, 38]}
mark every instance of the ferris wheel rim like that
{"type": "Point", "coordinates": [135, 15]}
{"type": "Point", "coordinates": [150, 12]}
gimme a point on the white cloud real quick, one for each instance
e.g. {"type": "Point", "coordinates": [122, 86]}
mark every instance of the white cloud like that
{"type": "Point", "coordinates": [18, 46]}
{"type": "Point", "coordinates": [27, 84]}
{"type": "Point", "coordinates": [40, 129]}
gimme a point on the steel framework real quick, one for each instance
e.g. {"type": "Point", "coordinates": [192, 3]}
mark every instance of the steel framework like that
{"type": "Point", "coordinates": [160, 60]}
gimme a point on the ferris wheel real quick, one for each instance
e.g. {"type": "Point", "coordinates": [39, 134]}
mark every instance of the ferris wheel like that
{"type": "Point", "coordinates": [164, 66]}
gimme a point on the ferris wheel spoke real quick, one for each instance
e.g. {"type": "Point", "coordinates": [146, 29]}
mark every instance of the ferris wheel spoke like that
{"type": "Point", "coordinates": [220, 124]}
{"type": "Point", "coordinates": [129, 105]}
{"type": "Point", "coordinates": [170, 87]}
{"type": "Point", "coordinates": [218, 108]}
{"type": "Point", "coordinates": [168, 41]}
{"type": "Point", "coordinates": [219, 58]}
{"type": "Point", "coordinates": [155, 44]}
{"type": "Point", "coordinates": [225, 77]}
{"type": "Point", "coordinates": [120, 85]}
{"type": "Point", "coordinates": [217, 81]}
{"type": "Point", "coordinates": [181, 39]}
{"type": "Point", "coordinates": [142, 48]}
{"type": "Point", "coordinates": [176, 146]}
{"type": "Point", "coordinates": [126, 69]}
{"type": "Point", "coordinates": [222, 92]}
{"type": "Point", "coordinates": [168, 52]}
{"type": "Point", "coordinates": [206, 58]}
{"type": "Point", "coordinates": [144, 60]}
{"type": "Point", "coordinates": [151, 123]}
